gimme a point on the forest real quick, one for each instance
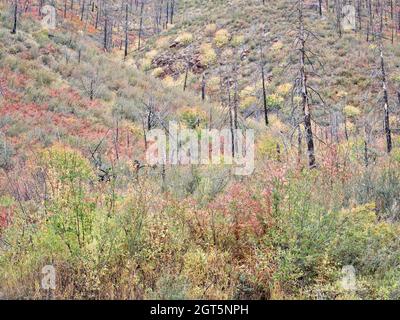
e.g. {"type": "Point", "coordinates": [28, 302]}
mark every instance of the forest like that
{"type": "Point", "coordinates": [85, 84]}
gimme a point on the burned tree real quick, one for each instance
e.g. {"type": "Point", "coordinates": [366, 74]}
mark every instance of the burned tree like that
{"type": "Point", "coordinates": [264, 90]}
{"type": "Point", "coordinates": [302, 83]}
{"type": "Point", "coordinates": [383, 77]}
{"type": "Point", "coordinates": [126, 31]}
{"type": "Point", "coordinates": [386, 121]}
{"type": "Point", "coordinates": [14, 29]}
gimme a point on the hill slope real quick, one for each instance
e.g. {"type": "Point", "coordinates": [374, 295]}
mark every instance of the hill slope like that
{"type": "Point", "coordinates": [77, 194]}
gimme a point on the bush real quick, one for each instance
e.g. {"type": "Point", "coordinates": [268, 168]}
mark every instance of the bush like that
{"type": "Point", "coordinates": [221, 38]}
{"type": "Point", "coordinates": [192, 117]}
{"type": "Point", "coordinates": [6, 154]}
{"type": "Point", "coordinates": [185, 38]}
{"type": "Point", "coordinates": [210, 29]}
{"type": "Point", "coordinates": [208, 55]}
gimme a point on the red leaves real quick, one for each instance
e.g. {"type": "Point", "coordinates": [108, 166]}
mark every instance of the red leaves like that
{"type": "Point", "coordinates": [3, 88]}
{"type": "Point", "coordinates": [5, 217]}
{"type": "Point", "coordinates": [247, 209]}
{"type": "Point", "coordinates": [16, 80]}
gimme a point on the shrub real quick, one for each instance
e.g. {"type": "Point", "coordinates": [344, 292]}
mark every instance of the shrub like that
{"type": "Point", "coordinates": [210, 29]}
{"type": "Point", "coordinates": [351, 111]}
{"type": "Point", "coordinates": [157, 72]}
{"type": "Point", "coordinates": [192, 117]}
{"type": "Point", "coordinates": [238, 40]}
{"type": "Point", "coordinates": [274, 101]}
{"type": "Point", "coordinates": [284, 89]}
{"type": "Point", "coordinates": [221, 38]}
{"type": "Point", "coordinates": [208, 55]}
{"type": "Point", "coordinates": [185, 38]}
{"type": "Point", "coordinates": [6, 154]}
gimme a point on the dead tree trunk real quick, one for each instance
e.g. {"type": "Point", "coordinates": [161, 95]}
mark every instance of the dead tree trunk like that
{"type": "Point", "coordinates": [387, 129]}
{"type": "Point", "coordinates": [140, 24]}
{"type": "Point", "coordinates": [264, 90]}
{"type": "Point", "coordinates": [14, 30]}
{"type": "Point", "coordinates": [126, 32]}
{"type": "Point", "coordinates": [304, 90]}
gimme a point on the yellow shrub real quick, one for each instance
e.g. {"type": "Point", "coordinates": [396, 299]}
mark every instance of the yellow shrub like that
{"type": "Point", "coordinates": [185, 38]}
{"type": "Point", "coordinates": [146, 64]}
{"type": "Point", "coordinates": [237, 40]}
{"type": "Point", "coordinates": [341, 94]}
{"type": "Point", "coordinates": [274, 101]}
{"type": "Point", "coordinates": [372, 46]}
{"type": "Point", "coordinates": [206, 269]}
{"type": "Point", "coordinates": [267, 147]}
{"type": "Point", "coordinates": [192, 117]}
{"type": "Point", "coordinates": [210, 29]}
{"type": "Point", "coordinates": [169, 81]}
{"type": "Point", "coordinates": [276, 125]}
{"type": "Point", "coordinates": [151, 54]}
{"type": "Point", "coordinates": [221, 38]}
{"type": "Point", "coordinates": [351, 111]}
{"type": "Point", "coordinates": [396, 155]}
{"type": "Point", "coordinates": [351, 128]}
{"type": "Point", "coordinates": [157, 72]}
{"type": "Point", "coordinates": [208, 55]}
{"type": "Point", "coordinates": [65, 163]}
{"type": "Point", "coordinates": [277, 46]}
{"type": "Point", "coordinates": [284, 89]}
{"type": "Point", "coordinates": [297, 100]}
{"type": "Point", "coordinates": [213, 84]}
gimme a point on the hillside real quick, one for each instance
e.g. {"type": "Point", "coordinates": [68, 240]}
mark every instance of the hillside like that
{"type": "Point", "coordinates": [78, 104]}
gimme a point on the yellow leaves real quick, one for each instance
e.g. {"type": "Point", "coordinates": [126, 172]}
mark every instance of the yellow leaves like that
{"type": "Point", "coordinates": [366, 222]}
{"type": "Point", "coordinates": [396, 155]}
{"type": "Point", "coordinates": [247, 96]}
{"type": "Point", "coordinates": [277, 46]}
{"type": "Point", "coordinates": [213, 84]}
{"type": "Point", "coordinates": [276, 124]}
{"type": "Point", "coordinates": [157, 72]}
{"type": "Point", "coordinates": [168, 81]}
{"type": "Point", "coordinates": [65, 163]}
{"type": "Point", "coordinates": [341, 94]}
{"type": "Point", "coordinates": [208, 55]}
{"type": "Point", "coordinates": [185, 38]}
{"type": "Point", "coordinates": [284, 89]}
{"type": "Point", "coordinates": [135, 130]}
{"type": "Point", "coordinates": [238, 40]}
{"type": "Point", "coordinates": [151, 54]}
{"type": "Point", "coordinates": [192, 117]}
{"type": "Point", "coordinates": [267, 147]}
{"type": "Point", "coordinates": [372, 46]}
{"type": "Point", "coordinates": [210, 29]}
{"type": "Point", "coordinates": [147, 61]}
{"type": "Point", "coordinates": [205, 268]}
{"type": "Point", "coordinates": [146, 64]}
{"type": "Point", "coordinates": [274, 101]}
{"type": "Point", "coordinates": [221, 38]}
{"type": "Point", "coordinates": [351, 111]}
{"type": "Point", "coordinates": [351, 128]}
{"type": "Point", "coordinates": [297, 100]}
